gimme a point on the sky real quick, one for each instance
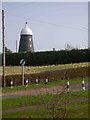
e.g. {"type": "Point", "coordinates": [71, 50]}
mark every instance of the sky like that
{"type": "Point", "coordinates": [54, 24]}
{"type": "Point", "coordinates": [0, 29]}
{"type": "Point", "coordinates": [89, 25]}
{"type": "Point", "coordinates": [45, 0]}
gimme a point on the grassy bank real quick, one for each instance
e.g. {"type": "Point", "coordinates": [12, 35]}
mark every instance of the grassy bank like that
{"type": "Point", "coordinates": [9, 103]}
{"type": "Point", "coordinates": [78, 110]}
{"type": "Point", "coordinates": [75, 110]}
{"type": "Point", "coordinates": [43, 85]}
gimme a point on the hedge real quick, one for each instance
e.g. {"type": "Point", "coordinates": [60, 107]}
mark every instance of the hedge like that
{"type": "Point", "coordinates": [48, 57]}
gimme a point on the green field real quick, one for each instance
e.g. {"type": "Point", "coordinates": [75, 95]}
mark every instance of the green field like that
{"type": "Point", "coordinates": [75, 110]}
{"type": "Point", "coordinates": [9, 103]}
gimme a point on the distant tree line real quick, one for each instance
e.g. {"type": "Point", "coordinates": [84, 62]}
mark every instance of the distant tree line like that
{"type": "Point", "coordinates": [48, 57]}
{"type": "Point", "coordinates": [7, 50]}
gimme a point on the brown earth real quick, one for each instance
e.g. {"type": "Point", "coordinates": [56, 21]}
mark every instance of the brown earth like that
{"type": "Point", "coordinates": [52, 75]}
{"type": "Point", "coordinates": [41, 91]}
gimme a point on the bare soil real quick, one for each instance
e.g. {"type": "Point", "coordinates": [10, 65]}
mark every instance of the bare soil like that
{"type": "Point", "coordinates": [41, 91]}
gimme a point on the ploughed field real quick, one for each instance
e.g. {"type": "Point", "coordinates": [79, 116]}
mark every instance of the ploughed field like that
{"type": "Point", "coordinates": [53, 72]}
{"type": "Point", "coordinates": [12, 70]}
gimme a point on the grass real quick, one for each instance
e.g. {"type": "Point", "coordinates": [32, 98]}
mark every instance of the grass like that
{"type": "Point", "coordinates": [11, 103]}
{"type": "Point", "coordinates": [11, 70]}
{"type": "Point", "coordinates": [76, 110]}
{"type": "Point", "coordinates": [42, 85]}
{"type": "Point", "coordinates": [43, 113]}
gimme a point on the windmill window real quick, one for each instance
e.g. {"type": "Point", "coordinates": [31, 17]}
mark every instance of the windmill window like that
{"type": "Point", "coordinates": [29, 39]}
{"type": "Point", "coordinates": [30, 45]}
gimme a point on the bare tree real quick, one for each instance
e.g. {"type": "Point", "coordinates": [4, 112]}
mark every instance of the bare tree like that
{"type": "Point", "coordinates": [58, 105]}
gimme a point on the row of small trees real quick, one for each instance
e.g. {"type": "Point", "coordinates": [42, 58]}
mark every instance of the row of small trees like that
{"type": "Point", "coordinates": [48, 57]}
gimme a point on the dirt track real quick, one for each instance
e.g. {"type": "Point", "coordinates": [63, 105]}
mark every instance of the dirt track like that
{"type": "Point", "coordinates": [41, 91]}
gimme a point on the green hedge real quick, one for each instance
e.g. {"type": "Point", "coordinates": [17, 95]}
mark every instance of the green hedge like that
{"type": "Point", "coordinates": [48, 57]}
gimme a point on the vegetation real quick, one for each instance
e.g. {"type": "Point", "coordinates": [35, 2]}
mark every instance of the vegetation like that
{"type": "Point", "coordinates": [9, 103]}
{"type": "Point", "coordinates": [75, 110]}
{"type": "Point", "coordinates": [57, 105]}
{"type": "Point", "coordinates": [43, 85]}
{"type": "Point", "coordinates": [7, 50]}
{"type": "Point", "coordinates": [48, 57]}
{"type": "Point", "coordinates": [78, 110]}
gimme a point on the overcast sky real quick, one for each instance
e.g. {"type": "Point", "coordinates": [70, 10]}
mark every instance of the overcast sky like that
{"type": "Point", "coordinates": [53, 24]}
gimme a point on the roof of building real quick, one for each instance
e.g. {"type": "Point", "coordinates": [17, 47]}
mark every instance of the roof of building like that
{"type": "Point", "coordinates": [26, 30]}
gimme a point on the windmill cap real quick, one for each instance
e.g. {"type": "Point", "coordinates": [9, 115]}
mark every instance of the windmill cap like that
{"type": "Point", "coordinates": [26, 30]}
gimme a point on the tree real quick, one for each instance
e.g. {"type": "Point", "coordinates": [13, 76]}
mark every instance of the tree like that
{"type": "Point", "coordinates": [58, 106]}
{"type": "Point", "coordinates": [7, 50]}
